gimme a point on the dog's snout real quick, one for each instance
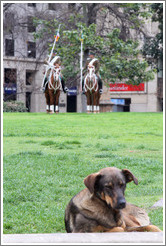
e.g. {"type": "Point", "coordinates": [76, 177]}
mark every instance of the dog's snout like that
{"type": "Point", "coordinates": [121, 203]}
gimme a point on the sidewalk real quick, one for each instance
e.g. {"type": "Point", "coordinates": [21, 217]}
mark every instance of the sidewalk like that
{"type": "Point", "coordinates": [57, 238]}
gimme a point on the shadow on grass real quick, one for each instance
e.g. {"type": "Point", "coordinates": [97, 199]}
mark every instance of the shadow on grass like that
{"type": "Point", "coordinates": [61, 145]}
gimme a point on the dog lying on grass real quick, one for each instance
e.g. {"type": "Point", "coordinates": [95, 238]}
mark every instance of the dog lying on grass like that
{"type": "Point", "coordinates": [101, 207]}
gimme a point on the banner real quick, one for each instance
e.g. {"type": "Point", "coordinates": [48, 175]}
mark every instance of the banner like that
{"type": "Point", "coordinates": [124, 87]}
{"type": "Point", "coordinates": [72, 91]}
{"type": "Point", "coordinates": [10, 88]}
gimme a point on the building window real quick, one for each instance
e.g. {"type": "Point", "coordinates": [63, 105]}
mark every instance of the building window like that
{"type": "Point", "coordinates": [10, 84]}
{"type": "Point", "coordinates": [31, 27]}
{"type": "Point", "coordinates": [31, 50]}
{"type": "Point", "coordinates": [71, 6]}
{"type": "Point", "coordinates": [8, 23]}
{"type": "Point", "coordinates": [9, 47]}
{"type": "Point", "coordinates": [9, 17]}
{"type": "Point", "coordinates": [52, 6]}
{"type": "Point", "coordinates": [29, 78]}
{"type": "Point", "coordinates": [32, 5]}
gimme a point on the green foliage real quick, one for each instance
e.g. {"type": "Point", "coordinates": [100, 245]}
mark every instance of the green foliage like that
{"type": "Point", "coordinates": [14, 106]}
{"type": "Point", "coordinates": [121, 62]}
{"type": "Point", "coordinates": [136, 10]}
{"type": "Point", "coordinates": [46, 158]}
{"type": "Point", "coordinates": [153, 47]}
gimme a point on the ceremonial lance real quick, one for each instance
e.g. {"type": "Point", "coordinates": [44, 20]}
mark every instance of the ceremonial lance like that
{"type": "Point", "coordinates": [81, 59]}
{"type": "Point", "coordinates": [56, 37]}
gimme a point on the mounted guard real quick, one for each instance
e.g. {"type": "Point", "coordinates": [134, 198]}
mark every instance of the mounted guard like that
{"type": "Point", "coordinates": [53, 85]}
{"type": "Point", "coordinates": [55, 61]}
{"type": "Point", "coordinates": [91, 60]}
{"type": "Point", "coordinates": [53, 80]}
{"type": "Point", "coordinates": [92, 84]}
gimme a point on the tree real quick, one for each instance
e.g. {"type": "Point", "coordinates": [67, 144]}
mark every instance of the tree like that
{"type": "Point", "coordinates": [153, 46]}
{"type": "Point", "coordinates": [118, 57]}
{"type": "Point", "coordinates": [128, 16]}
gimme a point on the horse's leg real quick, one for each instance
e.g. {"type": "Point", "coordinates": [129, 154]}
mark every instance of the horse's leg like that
{"type": "Point", "coordinates": [54, 100]}
{"type": "Point", "coordinates": [57, 102]}
{"type": "Point", "coordinates": [94, 102]}
{"type": "Point", "coordinates": [51, 94]}
{"type": "Point", "coordinates": [97, 102]}
{"type": "Point", "coordinates": [88, 101]}
{"type": "Point", "coordinates": [47, 100]}
{"type": "Point", "coordinates": [91, 102]}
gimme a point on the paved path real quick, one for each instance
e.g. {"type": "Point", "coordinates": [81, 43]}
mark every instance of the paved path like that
{"type": "Point", "coordinates": [158, 204]}
{"type": "Point", "coordinates": [124, 237]}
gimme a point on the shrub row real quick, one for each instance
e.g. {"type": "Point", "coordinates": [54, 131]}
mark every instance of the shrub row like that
{"type": "Point", "coordinates": [14, 106]}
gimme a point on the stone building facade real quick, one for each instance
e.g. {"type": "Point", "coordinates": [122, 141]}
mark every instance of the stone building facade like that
{"type": "Point", "coordinates": [23, 59]}
{"type": "Point", "coordinates": [23, 67]}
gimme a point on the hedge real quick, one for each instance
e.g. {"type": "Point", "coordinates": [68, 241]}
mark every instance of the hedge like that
{"type": "Point", "coordinates": [14, 106]}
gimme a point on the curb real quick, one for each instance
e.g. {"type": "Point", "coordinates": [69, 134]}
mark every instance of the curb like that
{"type": "Point", "coordinates": [123, 237]}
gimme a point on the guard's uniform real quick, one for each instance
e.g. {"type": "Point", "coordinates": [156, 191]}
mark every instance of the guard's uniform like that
{"type": "Point", "coordinates": [96, 63]}
{"type": "Point", "coordinates": [55, 60]}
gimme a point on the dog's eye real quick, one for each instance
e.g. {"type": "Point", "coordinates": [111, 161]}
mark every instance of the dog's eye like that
{"type": "Point", "coordinates": [121, 184]}
{"type": "Point", "coordinates": [108, 187]}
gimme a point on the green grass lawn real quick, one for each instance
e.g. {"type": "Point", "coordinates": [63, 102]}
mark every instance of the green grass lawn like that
{"type": "Point", "coordinates": [46, 158]}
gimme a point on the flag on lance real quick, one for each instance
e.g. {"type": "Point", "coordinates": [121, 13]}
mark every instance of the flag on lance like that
{"type": "Point", "coordinates": [57, 36]}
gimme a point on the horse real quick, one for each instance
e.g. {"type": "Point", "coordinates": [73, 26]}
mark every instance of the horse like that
{"type": "Point", "coordinates": [91, 89]}
{"type": "Point", "coordinates": [53, 89]}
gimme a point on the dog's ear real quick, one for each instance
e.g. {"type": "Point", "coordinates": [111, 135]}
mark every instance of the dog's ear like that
{"type": "Point", "coordinates": [129, 176]}
{"type": "Point", "coordinates": [90, 180]}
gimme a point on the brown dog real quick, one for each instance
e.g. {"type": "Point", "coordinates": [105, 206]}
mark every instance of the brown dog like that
{"type": "Point", "coordinates": [101, 207]}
